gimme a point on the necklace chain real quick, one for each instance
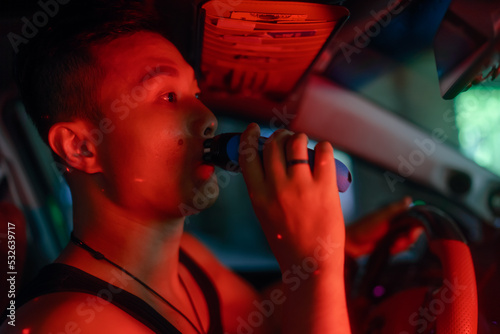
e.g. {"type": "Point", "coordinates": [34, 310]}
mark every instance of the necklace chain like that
{"type": "Point", "coordinates": [99, 256]}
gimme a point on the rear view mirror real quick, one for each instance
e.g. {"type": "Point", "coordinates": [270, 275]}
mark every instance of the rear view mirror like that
{"type": "Point", "coordinates": [467, 46]}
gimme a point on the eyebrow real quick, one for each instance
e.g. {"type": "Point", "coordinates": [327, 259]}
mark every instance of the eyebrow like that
{"type": "Point", "coordinates": [160, 70]}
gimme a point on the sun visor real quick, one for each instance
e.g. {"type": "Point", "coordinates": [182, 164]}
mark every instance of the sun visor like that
{"type": "Point", "coordinates": [261, 49]}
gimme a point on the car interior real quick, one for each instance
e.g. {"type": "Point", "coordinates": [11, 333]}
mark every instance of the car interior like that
{"type": "Point", "coordinates": [404, 90]}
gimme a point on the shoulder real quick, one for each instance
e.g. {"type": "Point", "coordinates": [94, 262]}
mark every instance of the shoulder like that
{"type": "Point", "coordinates": [72, 313]}
{"type": "Point", "coordinates": [202, 255]}
{"type": "Point", "coordinates": [199, 252]}
{"type": "Point", "coordinates": [237, 296]}
{"type": "Point", "coordinates": [217, 272]}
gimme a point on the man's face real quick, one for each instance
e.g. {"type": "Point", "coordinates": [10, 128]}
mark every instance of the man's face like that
{"type": "Point", "coordinates": [152, 152]}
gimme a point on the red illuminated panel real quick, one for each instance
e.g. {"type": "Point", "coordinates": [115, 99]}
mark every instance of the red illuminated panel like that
{"type": "Point", "coordinates": [262, 47]}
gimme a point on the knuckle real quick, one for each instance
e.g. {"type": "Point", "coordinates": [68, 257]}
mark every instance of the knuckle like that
{"type": "Point", "coordinates": [301, 136]}
{"type": "Point", "coordinates": [282, 134]}
{"type": "Point", "coordinates": [278, 133]}
{"type": "Point", "coordinates": [324, 146]}
{"type": "Point", "coordinates": [297, 141]}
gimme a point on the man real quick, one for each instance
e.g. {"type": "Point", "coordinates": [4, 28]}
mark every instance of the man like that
{"type": "Point", "coordinates": [118, 105]}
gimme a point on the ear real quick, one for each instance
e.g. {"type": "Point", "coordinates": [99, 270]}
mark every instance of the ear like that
{"type": "Point", "coordinates": [71, 141]}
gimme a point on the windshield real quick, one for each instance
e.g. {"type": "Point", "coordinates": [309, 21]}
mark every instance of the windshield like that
{"type": "Point", "coordinates": [406, 63]}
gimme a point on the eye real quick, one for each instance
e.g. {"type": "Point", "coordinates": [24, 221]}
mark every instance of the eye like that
{"type": "Point", "coordinates": [170, 97]}
{"type": "Point", "coordinates": [197, 95]}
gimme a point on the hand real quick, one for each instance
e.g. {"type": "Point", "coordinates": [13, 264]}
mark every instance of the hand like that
{"type": "Point", "coordinates": [299, 210]}
{"type": "Point", "coordinates": [363, 234]}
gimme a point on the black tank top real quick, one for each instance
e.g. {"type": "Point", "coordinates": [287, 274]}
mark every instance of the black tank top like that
{"type": "Point", "coordinates": [58, 277]}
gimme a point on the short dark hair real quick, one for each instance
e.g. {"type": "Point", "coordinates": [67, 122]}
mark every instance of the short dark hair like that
{"type": "Point", "coordinates": [58, 75]}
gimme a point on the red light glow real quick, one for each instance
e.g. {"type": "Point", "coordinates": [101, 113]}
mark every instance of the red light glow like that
{"type": "Point", "coordinates": [205, 171]}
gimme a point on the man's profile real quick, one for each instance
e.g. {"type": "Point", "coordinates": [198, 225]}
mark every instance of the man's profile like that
{"type": "Point", "coordinates": [105, 66]}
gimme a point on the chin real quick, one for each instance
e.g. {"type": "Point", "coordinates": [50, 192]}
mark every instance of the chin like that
{"type": "Point", "coordinates": [202, 197]}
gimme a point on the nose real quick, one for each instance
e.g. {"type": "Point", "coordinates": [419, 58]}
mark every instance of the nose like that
{"type": "Point", "coordinates": [210, 126]}
{"type": "Point", "coordinates": [204, 122]}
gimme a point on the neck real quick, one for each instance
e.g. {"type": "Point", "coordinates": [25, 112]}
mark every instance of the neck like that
{"type": "Point", "coordinates": [145, 247]}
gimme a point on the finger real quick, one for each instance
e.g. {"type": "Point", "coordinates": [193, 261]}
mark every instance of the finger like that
{"type": "Point", "coordinates": [393, 209]}
{"type": "Point", "coordinates": [249, 160]}
{"type": "Point", "coordinates": [390, 211]}
{"type": "Point", "coordinates": [401, 205]}
{"type": "Point", "coordinates": [415, 233]}
{"type": "Point", "coordinates": [324, 163]}
{"type": "Point", "coordinates": [400, 245]}
{"type": "Point", "coordinates": [375, 225]}
{"type": "Point", "coordinates": [406, 240]}
{"type": "Point", "coordinates": [296, 158]}
{"type": "Point", "coordinates": [274, 155]}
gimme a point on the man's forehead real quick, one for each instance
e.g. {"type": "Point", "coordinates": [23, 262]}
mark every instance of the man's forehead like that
{"type": "Point", "coordinates": [142, 54]}
{"type": "Point", "coordinates": [139, 39]}
{"type": "Point", "coordinates": [137, 47]}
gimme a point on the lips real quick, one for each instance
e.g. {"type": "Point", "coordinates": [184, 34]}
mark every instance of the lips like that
{"type": "Point", "coordinates": [205, 171]}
